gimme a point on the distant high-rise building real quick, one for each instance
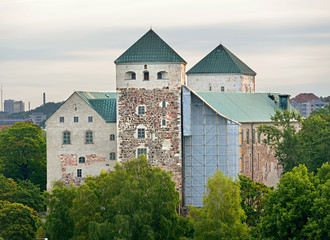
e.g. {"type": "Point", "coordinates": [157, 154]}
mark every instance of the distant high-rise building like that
{"type": "Point", "coordinates": [9, 106]}
{"type": "Point", "coordinates": [306, 103]}
{"type": "Point", "coordinates": [12, 106]}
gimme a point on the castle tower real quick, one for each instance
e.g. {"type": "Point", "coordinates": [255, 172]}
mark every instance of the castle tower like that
{"type": "Point", "coordinates": [149, 76]}
{"type": "Point", "coordinates": [221, 71]}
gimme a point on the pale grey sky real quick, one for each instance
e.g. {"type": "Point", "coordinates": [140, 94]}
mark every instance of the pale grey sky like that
{"type": "Point", "coordinates": [59, 46]}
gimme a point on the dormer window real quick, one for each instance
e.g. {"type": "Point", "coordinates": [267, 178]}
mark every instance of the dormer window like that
{"type": "Point", "coordinates": [146, 76]}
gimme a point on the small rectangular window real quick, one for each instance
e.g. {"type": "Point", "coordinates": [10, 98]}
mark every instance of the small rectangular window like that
{"type": "Point", "coordinates": [222, 88]}
{"type": "Point", "coordinates": [61, 119]}
{"type": "Point", "coordinates": [163, 122]}
{"type": "Point", "coordinates": [163, 103]}
{"type": "Point", "coordinates": [247, 136]}
{"type": "Point", "coordinates": [112, 137]}
{"type": "Point", "coordinates": [258, 161]}
{"type": "Point", "coordinates": [141, 133]}
{"type": "Point", "coordinates": [141, 110]}
{"type": "Point", "coordinates": [90, 119]}
{"type": "Point", "coordinates": [79, 173]}
{"type": "Point", "coordinates": [112, 156]}
{"type": "Point", "coordinates": [75, 119]}
{"type": "Point", "coordinates": [141, 151]}
{"type": "Point", "coordinates": [82, 160]}
{"type": "Point", "coordinates": [146, 76]}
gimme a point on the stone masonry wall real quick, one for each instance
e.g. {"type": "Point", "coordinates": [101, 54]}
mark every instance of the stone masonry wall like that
{"type": "Point", "coordinates": [266, 169]}
{"type": "Point", "coordinates": [163, 143]}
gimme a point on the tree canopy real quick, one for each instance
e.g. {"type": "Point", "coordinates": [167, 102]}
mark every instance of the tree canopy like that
{"type": "Point", "coordinates": [23, 153]}
{"type": "Point", "coordinates": [299, 208]}
{"type": "Point", "coordinates": [222, 216]}
{"type": "Point", "coordinates": [17, 222]}
{"type": "Point", "coordinates": [299, 141]}
{"type": "Point", "coordinates": [134, 201]}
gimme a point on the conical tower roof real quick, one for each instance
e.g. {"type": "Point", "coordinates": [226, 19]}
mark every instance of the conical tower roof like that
{"type": "Point", "coordinates": [150, 48]}
{"type": "Point", "coordinates": [221, 60]}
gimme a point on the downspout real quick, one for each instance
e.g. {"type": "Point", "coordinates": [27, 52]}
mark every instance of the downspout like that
{"type": "Point", "coordinates": [253, 139]}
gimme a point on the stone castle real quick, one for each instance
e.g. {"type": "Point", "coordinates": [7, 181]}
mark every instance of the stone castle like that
{"type": "Point", "coordinates": [188, 123]}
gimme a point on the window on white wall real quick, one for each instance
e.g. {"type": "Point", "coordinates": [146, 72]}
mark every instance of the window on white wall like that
{"type": "Point", "coordinates": [79, 173]}
{"type": "Point", "coordinates": [61, 119]}
{"type": "Point", "coordinates": [90, 119]}
{"type": "Point", "coordinates": [112, 156]}
{"type": "Point", "coordinates": [89, 137]}
{"type": "Point", "coordinates": [146, 76]}
{"type": "Point", "coordinates": [66, 137]}
{"type": "Point", "coordinates": [112, 137]}
{"type": "Point", "coordinates": [75, 119]}
{"type": "Point", "coordinates": [222, 88]}
{"type": "Point", "coordinates": [82, 160]}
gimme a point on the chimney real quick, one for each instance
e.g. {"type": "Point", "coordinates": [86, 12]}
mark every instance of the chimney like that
{"type": "Point", "coordinates": [44, 98]}
{"type": "Point", "coordinates": [284, 101]}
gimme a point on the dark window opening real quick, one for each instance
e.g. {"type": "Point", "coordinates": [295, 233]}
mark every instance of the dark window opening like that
{"type": "Point", "coordinates": [75, 119]}
{"type": "Point", "coordinates": [66, 138]}
{"type": "Point", "coordinates": [82, 160]}
{"type": "Point", "coordinates": [61, 119]}
{"type": "Point", "coordinates": [141, 151]}
{"type": "Point", "coordinates": [146, 76]}
{"type": "Point", "coordinates": [90, 119]}
{"type": "Point", "coordinates": [141, 133]}
{"type": "Point", "coordinates": [112, 137]}
{"type": "Point", "coordinates": [79, 173]}
{"type": "Point", "coordinates": [159, 75]}
{"type": "Point", "coordinates": [133, 76]}
{"type": "Point", "coordinates": [89, 137]}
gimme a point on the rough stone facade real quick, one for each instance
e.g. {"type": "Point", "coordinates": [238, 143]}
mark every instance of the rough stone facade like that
{"type": "Point", "coordinates": [161, 120]}
{"type": "Point", "coordinates": [217, 82]}
{"type": "Point", "coordinates": [63, 159]}
{"type": "Point", "coordinates": [258, 160]}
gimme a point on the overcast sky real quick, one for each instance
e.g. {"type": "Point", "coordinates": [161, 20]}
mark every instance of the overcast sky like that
{"type": "Point", "coordinates": [59, 46]}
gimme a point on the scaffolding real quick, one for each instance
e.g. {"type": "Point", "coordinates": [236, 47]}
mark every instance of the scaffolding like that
{"type": "Point", "coordinates": [211, 143]}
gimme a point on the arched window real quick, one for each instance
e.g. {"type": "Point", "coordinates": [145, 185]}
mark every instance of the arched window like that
{"type": "Point", "coordinates": [66, 137]}
{"type": "Point", "coordinates": [130, 75]}
{"type": "Point", "coordinates": [159, 75]}
{"type": "Point", "coordinates": [247, 136]}
{"type": "Point", "coordinates": [82, 160]}
{"type": "Point", "coordinates": [89, 137]}
{"type": "Point", "coordinates": [253, 136]}
{"type": "Point", "coordinates": [146, 76]}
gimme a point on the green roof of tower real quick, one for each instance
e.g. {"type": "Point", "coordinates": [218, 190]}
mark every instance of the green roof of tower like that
{"type": "Point", "coordinates": [150, 48]}
{"type": "Point", "coordinates": [221, 60]}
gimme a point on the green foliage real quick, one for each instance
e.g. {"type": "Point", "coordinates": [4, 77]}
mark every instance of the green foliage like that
{"type": "Point", "coordinates": [59, 222]}
{"type": "Point", "coordinates": [251, 195]}
{"type": "Point", "coordinates": [282, 135]}
{"type": "Point", "coordinates": [314, 141]}
{"type": "Point", "coordinates": [23, 153]}
{"type": "Point", "coordinates": [132, 202]}
{"type": "Point", "coordinates": [17, 222]}
{"type": "Point", "coordinates": [222, 215]}
{"type": "Point", "coordinates": [24, 192]}
{"type": "Point", "coordinates": [299, 208]}
{"type": "Point", "coordinates": [323, 112]}
{"type": "Point", "coordinates": [309, 146]}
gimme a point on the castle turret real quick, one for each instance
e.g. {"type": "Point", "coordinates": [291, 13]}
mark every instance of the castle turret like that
{"type": "Point", "coordinates": [149, 76]}
{"type": "Point", "coordinates": [221, 71]}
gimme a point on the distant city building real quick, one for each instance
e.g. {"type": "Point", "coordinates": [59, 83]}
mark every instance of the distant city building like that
{"type": "Point", "coordinates": [306, 103]}
{"type": "Point", "coordinates": [10, 122]}
{"type": "Point", "coordinates": [12, 106]}
{"type": "Point", "coordinates": [37, 118]}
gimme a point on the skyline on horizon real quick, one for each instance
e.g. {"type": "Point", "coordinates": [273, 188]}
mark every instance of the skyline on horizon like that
{"type": "Point", "coordinates": [65, 46]}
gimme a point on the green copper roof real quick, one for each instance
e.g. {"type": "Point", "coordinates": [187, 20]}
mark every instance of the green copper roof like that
{"type": "Point", "coordinates": [242, 107]}
{"type": "Point", "coordinates": [150, 48]}
{"type": "Point", "coordinates": [221, 60]}
{"type": "Point", "coordinates": [104, 103]}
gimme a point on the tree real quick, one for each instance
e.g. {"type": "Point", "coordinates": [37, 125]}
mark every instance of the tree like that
{"type": "Point", "coordinates": [251, 199]}
{"type": "Point", "coordinates": [299, 208]}
{"type": "Point", "coordinates": [282, 135]}
{"type": "Point", "coordinates": [59, 222]}
{"type": "Point", "coordinates": [17, 222]}
{"type": "Point", "coordinates": [134, 201]}
{"type": "Point", "coordinates": [23, 153]}
{"type": "Point", "coordinates": [23, 192]}
{"type": "Point", "coordinates": [222, 215]}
